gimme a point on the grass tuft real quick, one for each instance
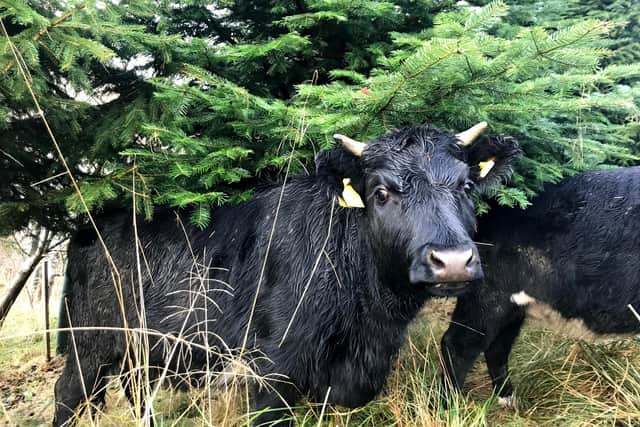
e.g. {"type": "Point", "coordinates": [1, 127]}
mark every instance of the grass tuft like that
{"type": "Point", "coordinates": [558, 381]}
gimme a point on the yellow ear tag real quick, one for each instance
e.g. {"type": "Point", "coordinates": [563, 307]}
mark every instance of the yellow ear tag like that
{"type": "Point", "coordinates": [350, 197]}
{"type": "Point", "coordinates": [485, 167]}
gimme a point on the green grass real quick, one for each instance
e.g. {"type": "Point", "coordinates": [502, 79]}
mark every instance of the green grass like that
{"type": "Point", "coordinates": [26, 380]}
{"type": "Point", "coordinates": [559, 381]}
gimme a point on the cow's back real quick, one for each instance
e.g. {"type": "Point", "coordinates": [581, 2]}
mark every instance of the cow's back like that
{"type": "Point", "coordinates": [577, 249]}
{"type": "Point", "coordinates": [183, 272]}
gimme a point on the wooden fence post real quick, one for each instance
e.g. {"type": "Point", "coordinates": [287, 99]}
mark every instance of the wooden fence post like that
{"type": "Point", "coordinates": [45, 299]}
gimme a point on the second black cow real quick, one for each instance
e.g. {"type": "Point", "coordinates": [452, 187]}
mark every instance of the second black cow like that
{"type": "Point", "coordinates": [572, 257]}
{"type": "Point", "coordinates": [316, 281]}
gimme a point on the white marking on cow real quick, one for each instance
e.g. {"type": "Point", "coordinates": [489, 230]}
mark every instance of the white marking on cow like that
{"type": "Point", "coordinates": [507, 402]}
{"type": "Point", "coordinates": [521, 298]}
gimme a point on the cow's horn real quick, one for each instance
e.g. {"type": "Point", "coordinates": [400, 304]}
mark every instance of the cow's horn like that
{"type": "Point", "coordinates": [355, 147]}
{"type": "Point", "coordinates": [469, 135]}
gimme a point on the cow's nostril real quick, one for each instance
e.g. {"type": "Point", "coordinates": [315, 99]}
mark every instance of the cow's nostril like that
{"type": "Point", "coordinates": [471, 258]}
{"type": "Point", "coordinates": [435, 260]}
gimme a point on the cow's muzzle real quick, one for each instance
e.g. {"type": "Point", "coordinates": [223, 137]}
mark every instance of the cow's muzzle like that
{"type": "Point", "coordinates": [447, 271]}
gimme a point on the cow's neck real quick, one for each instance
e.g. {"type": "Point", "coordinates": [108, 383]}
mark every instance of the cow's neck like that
{"type": "Point", "coordinates": [311, 204]}
{"type": "Point", "coordinates": [382, 298]}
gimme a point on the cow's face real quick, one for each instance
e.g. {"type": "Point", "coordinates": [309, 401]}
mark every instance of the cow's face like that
{"type": "Point", "coordinates": [417, 185]}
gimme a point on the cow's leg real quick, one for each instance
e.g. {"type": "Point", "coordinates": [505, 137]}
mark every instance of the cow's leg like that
{"type": "Point", "coordinates": [497, 358]}
{"type": "Point", "coordinates": [83, 379]}
{"type": "Point", "coordinates": [275, 400]}
{"type": "Point", "coordinates": [463, 341]}
{"type": "Point", "coordinates": [477, 320]}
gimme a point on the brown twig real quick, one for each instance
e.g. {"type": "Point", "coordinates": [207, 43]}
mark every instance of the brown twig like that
{"type": "Point", "coordinates": [58, 21]}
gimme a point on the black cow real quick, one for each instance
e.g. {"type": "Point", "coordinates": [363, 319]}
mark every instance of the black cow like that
{"type": "Point", "coordinates": [571, 257]}
{"type": "Point", "coordinates": [336, 286]}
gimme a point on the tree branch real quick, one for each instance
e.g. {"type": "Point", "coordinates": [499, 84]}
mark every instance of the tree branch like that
{"type": "Point", "coordinates": [52, 246]}
{"type": "Point", "coordinates": [15, 239]}
{"type": "Point", "coordinates": [58, 21]}
{"type": "Point", "coordinates": [21, 278]}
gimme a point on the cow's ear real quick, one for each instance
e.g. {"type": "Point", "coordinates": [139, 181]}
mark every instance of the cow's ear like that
{"type": "Point", "coordinates": [337, 164]}
{"type": "Point", "coordinates": [490, 159]}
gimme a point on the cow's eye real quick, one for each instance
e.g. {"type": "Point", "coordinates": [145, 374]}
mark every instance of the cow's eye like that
{"type": "Point", "coordinates": [382, 195]}
{"type": "Point", "coordinates": [467, 185]}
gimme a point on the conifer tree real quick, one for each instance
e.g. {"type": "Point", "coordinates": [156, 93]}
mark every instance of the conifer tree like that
{"type": "Point", "coordinates": [195, 102]}
{"type": "Point", "coordinates": [75, 59]}
{"type": "Point", "coordinates": [543, 87]}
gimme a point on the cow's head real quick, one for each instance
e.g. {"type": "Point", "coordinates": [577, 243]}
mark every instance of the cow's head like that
{"type": "Point", "coordinates": [416, 186]}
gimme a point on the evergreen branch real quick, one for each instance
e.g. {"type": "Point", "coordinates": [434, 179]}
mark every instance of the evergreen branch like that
{"type": "Point", "coordinates": [404, 79]}
{"type": "Point", "coordinates": [567, 43]}
{"type": "Point", "coordinates": [130, 190]}
{"type": "Point", "coordinates": [545, 55]}
{"type": "Point", "coordinates": [58, 21]}
{"type": "Point", "coordinates": [466, 60]}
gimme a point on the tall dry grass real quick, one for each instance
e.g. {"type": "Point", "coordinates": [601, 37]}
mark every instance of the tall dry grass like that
{"type": "Point", "coordinates": [559, 381]}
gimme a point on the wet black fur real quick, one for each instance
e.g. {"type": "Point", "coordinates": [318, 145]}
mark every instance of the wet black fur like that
{"type": "Point", "coordinates": [353, 317]}
{"type": "Point", "coordinates": [576, 248]}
